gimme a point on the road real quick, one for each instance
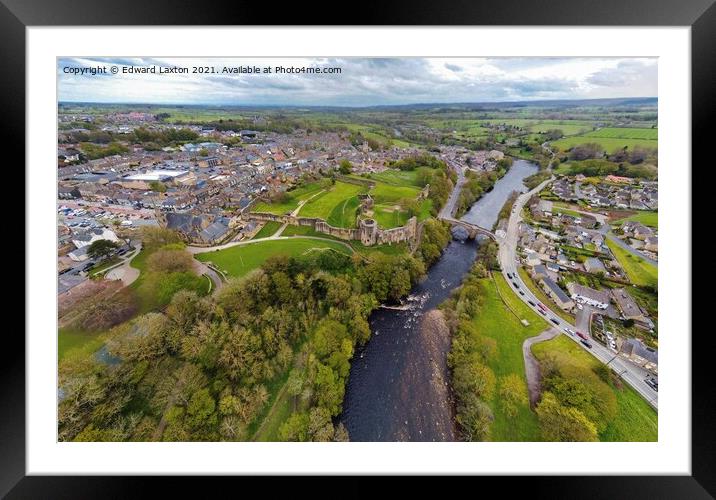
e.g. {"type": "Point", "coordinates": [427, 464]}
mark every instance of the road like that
{"type": "Point", "coordinates": [449, 208]}
{"type": "Point", "coordinates": [507, 256]}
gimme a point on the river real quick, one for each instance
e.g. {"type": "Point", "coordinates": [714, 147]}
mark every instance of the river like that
{"type": "Point", "coordinates": [397, 387]}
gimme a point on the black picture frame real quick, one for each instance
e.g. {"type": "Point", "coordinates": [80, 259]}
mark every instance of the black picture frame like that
{"type": "Point", "coordinates": [700, 15]}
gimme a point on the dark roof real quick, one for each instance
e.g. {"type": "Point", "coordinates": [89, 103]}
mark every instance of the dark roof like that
{"type": "Point", "coordinates": [637, 347]}
{"type": "Point", "coordinates": [556, 290]}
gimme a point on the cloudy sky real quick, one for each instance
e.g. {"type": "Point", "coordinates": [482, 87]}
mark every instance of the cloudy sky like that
{"type": "Point", "coordinates": [362, 81]}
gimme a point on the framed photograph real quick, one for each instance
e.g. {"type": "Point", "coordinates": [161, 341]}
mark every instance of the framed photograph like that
{"type": "Point", "coordinates": [405, 249]}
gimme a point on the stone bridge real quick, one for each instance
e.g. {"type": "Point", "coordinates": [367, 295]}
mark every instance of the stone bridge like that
{"type": "Point", "coordinates": [472, 229]}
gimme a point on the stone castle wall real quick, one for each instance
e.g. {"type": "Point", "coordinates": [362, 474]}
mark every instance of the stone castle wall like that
{"type": "Point", "coordinates": [367, 231]}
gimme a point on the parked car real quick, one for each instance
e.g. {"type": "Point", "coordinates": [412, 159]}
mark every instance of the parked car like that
{"type": "Point", "coordinates": [515, 285]}
{"type": "Point", "coordinates": [651, 382]}
{"type": "Point", "coordinates": [569, 331]}
{"type": "Point", "coordinates": [509, 275]}
{"type": "Point", "coordinates": [554, 320]}
{"type": "Point", "coordinates": [582, 335]}
{"type": "Point", "coordinates": [521, 292]}
{"type": "Point", "coordinates": [531, 303]}
{"type": "Point", "coordinates": [586, 343]}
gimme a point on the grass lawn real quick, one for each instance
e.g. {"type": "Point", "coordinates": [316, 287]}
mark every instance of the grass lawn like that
{"type": "Point", "coordinates": [494, 320]}
{"type": "Point", "coordinates": [637, 269]}
{"type": "Point", "coordinates": [296, 195]}
{"type": "Point", "coordinates": [322, 206]}
{"type": "Point", "coordinates": [646, 217]}
{"type": "Point", "coordinates": [77, 342]}
{"type": "Point", "coordinates": [389, 215]}
{"type": "Point", "coordinates": [539, 293]}
{"type": "Point", "coordinates": [155, 293]}
{"type": "Point", "coordinates": [651, 134]}
{"type": "Point", "coordinates": [635, 419]}
{"type": "Point", "coordinates": [344, 214]}
{"type": "Point", "coordinates": [306, 231]}
{"type": "Point", "coordinates": [269, 229]}
{"type": "Point", "coordinates": [239, 260]}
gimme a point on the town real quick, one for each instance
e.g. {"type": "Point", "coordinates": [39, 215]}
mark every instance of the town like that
{"type": "Point", "coordinates": [204, 226]}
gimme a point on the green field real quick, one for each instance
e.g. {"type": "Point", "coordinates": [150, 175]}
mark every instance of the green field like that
{"type": "Point", "coordinates": [296, 195]}
{"type": "Point", "coordinates": [610, 144]}
{"type": "Point", "coordinates": [494, 320]}
{"type": "Point", "coordinates": [625, 133]}
{"type": "Point", "coordinates": [269, 229]}
{"type": "Point", "coordinates": [635, 419]}
{"type": "Point", "coordinates": [344, 214]}
{"type": "Point", "coordinates": [646, 217]}
{"type": "Point", "coordinates": [637, 269]}
{"type": "Point", "coordinates": [323, 205]}
{"type": "Point", "coordinates": [239, 260]}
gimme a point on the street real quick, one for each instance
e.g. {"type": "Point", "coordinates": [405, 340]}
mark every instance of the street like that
{"type": "Point", "coordinates": [507, 256]}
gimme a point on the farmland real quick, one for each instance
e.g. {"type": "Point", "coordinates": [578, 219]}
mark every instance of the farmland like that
{"type": "Point", "coordinates": [239, 260]}
{"type": "Point", "coordinates": [613, 138]}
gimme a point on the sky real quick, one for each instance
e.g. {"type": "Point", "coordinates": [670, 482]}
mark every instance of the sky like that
{"type": "Point", "coordinates": [361, 81]}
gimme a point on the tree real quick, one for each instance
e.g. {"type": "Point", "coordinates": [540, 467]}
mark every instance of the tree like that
{"type": "Point", "coordinates": [475, 418]}
{"type": "Point", "coordinates": [561, 423]}
{"type": "Point", "coordinates": [513, 394]}
{"type": "Point", "coordinates": [295, 428]}
{"type": "Point", "coordinates": [157, 186]}
{"type": "Point", "coordinates": [345, 167]}
{"type": "Point", "coordinates": [200, 414]}
{"type": "Point", "coordinates": [101, 249]}
{"type": "Point", "coordinates": [170, 260]}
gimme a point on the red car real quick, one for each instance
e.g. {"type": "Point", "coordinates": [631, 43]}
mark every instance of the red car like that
{"type": "Point", "coordinates": [580, 334]}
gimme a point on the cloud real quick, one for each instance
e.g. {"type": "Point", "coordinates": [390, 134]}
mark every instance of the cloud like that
{"type": "Point", "coordinates": [362, 81]}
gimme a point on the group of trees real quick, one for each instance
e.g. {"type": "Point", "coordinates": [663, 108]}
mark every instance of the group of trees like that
{"type": "Point", "coordinates": [200, 369]}
{"type": "Point", "coordinates": [600, 168]}
{"type": "Point", "coordinates": [473, 382]}
{"type": "Point", "coordinates": [436, 236]}
{"type": "Point", "coordinates": [476, 184]}
{"type": "Point", "coordinates": [577, 402]}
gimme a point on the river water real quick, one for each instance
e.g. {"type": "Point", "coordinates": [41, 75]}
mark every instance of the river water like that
{"type": "Point", "coordinates": [396, 389]}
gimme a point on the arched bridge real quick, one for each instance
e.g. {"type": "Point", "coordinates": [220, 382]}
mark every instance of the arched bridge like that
{"type": "Point", "coordinates": [472, 229]}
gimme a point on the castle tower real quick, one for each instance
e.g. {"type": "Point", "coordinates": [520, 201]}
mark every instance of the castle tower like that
{"type": "Point", "coordinates": [368, 232]}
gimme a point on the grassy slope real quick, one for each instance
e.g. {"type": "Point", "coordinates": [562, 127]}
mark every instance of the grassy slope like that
{"type": "Point", "coordinates": [322, 205]}
{"type": "Point", "coordinates": [637, 269]}
{"type": "Point", "coordinates": [646, 217]}
{"type": "Point", "coordinates": [239, 260]}
{"type": "Point", "coordinates": [496, 321]}
{"type": "Point", "coordinates": [269, 229]}
{"type": "Point", "coordinates": [610, 144]}
{"type": "Point", "coordinates": [635, 419]}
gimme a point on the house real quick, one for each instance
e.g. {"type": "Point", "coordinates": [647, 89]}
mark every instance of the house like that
{"type": "Point", "coordinates": [630, 310]}
{"type": "Point", "coordinates": [557, 294]}
{"type": "Point", "coordinates": [89, 236]}
{"type": "Point", "coordinates": [594, 265]}
{"type": "Point", "coordinates": [589, 296]}
{"type": "Point", "coordinates": [532, 259]}
{"type": "Point", "coordinates": [635, 351]}
{"type": "Point", "coordinates": [588, 221]}
{"type": "Point", "coordinates": [215, 231]}
{"type": "Point", "coordinates": [541, 209]}
{"type": "Point", "coordinates": [651, 243]}
{"type": "Point", "coordinates": [79, 254]}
